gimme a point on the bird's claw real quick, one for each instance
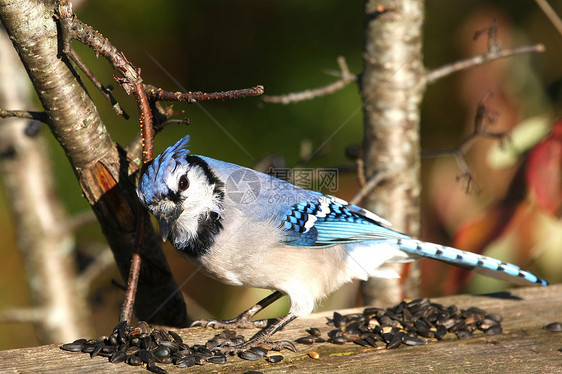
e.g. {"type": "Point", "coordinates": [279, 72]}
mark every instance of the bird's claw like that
{"type": "Point", "coordinates": [242, 323]}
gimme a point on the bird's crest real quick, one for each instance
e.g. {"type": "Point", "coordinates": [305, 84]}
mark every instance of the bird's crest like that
{"type": "Point", "coordinates": [153, 180]}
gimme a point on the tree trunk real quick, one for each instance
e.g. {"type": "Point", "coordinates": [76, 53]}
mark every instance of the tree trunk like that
{"type": "Point", "coordinates": [392, 86]}
{"type": "Point", "coordinates": [102, 168]}
{"type": "Point", "coordinates": [61, 312]}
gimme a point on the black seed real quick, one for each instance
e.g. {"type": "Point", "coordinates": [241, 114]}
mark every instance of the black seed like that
{"type": "Point", "coordinates": [464, 334]}
{"type": "Point", "coordinates": [145, 342]}
{"type": "Point", "coordinates": [109, 349]}
{"type": "Point", "coordinates": [335, 333]}
{"type": "Point", "coordinates": [387, 337]}
{"type": "Point", "coordinates": [172, 346]}
{"type": "Point", "coordinates": [97, 349]}
{"type": "Point", "coordinates": [338, 340]}
{"type": "Point", "coordinates": [156, 369]}
{"type": "Point", "coordinates": [89, 347]}
{"type": "Point", "coordinates": [361, 342]}
{"type": "Point", "coordinates": [396, 340]}
{"type": "Point", "coordinates": [314, 331]}
{"type": "Point", "coordinates": [448, 323]}
{"type": "Point", "coordinates": [72, 347]}
{"type": "Point", "coordinates": [204, 351]}
{"type": "Point", "coordinates": [221, 359]}
{"type": "Point", "coordinates": [441, 332]}
{"type": "Point", "coordinates": [554, 327]}
{"type": "Point", "coordinates": [305, 340]}
{"type": "Point", "coordinates": [494, 317]}
{"type": "Point", "coordinates": [371, 341]}
{"type": "Point", "coordinates": [237, 341]}
{"type": "Point", "coordinates": [339, 321]}
{"type": "Point", "coordinates": [132, 350]}
{"type": "Point", "coordinates": [199, 358]}
{"type": "Point", "coordinates": [252, 372]}
{"type": "Point", "coordinates": [134, 360]}
{"type": "Point", "coordinates": [497, 329]}
{"type": "Point", "coordinates": [274, 359]}
{"type": "Point", "coordinates": [175, 336]}
{"type": "Point", "coordinates": [250, 355]}
{"type": "Point", "coordinates": [161, 352]}
{"type": "Point", "coordinates": [118, 357]}
{"type": "Point", "coordinates": [186, 362]}
{"type": "Point", "coordinates": [146, 356]}
{"type": "Point", "coordinates": [259, 351]}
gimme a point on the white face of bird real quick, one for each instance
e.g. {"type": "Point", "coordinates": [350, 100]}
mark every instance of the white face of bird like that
{"type": "Point", "coordinates": [188, 197]}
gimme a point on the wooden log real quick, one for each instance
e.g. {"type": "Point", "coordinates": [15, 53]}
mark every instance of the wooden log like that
{"type": "Point", "coordinates": [524, 346]}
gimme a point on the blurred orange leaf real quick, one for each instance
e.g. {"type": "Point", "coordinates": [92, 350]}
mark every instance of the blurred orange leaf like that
{"type": "Point", "coordinates": [544, 172]}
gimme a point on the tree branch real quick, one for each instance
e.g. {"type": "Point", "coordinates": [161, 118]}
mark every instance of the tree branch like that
{"type": "Point", "coordinates": [551, 14]}
{"type": "Point", "coordinates": [159, 94]}
{"type": "Point", "coordinates": [346, 78]}
{"type": "Point", "coordinates": [24, 114]}
{"type": "Point", "coordinates": [105, 91]}
{"type": "Point", "coordinates": [468, 63]}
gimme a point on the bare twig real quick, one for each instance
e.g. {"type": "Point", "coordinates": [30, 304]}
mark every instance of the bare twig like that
{"type": "Point", "coordinates": [468, 63]}
{"type": "Point", "coordinates": [483, 114]}
{"type": "Point", "coordinates": [368, 187]}
{"type": "Point", "coordinates": [106, 91]}
{"type": "Point", "coordinates": [159, 94]}
{"type": "Point", "coordinates": [25, 114]}
{"type": "Point", "coordinates": [136, 260]}
{"type": "Point", "coordinates": [346, 78]}
{"type": "Point", "coordinates": [551, 14]}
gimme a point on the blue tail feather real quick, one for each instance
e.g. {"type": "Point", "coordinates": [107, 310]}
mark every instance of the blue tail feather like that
{"type": "Point", "coordinates": [480, 264]}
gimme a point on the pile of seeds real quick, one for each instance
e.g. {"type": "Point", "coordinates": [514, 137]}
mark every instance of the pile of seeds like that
{"type": "Point", "coordinates": [409, 323]}
{"type": "Point", "coordinates": [144, 345]}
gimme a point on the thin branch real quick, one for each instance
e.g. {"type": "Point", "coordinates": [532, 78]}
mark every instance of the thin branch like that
{"type": "Point", "coordinates": [159, 94]}
{"type": "Point", "coordinates": [25, 114]}
{"type": "Point", "coordinates": [134, 272]}
{"type": "Point", "coordinates": [105, 91]}
{"type": "Point", "coordinates": [346, 78]}
{"type": "Point", "coordinates": [551, 14]}
{"type": "Point", "coordinates": [22, 315]}
{"type": "Point", "coordinates": [368, 187]}
{"type": "Point", "coordinates": [483, 114]}
{"type": "Point", "coordinates": [468, 63]}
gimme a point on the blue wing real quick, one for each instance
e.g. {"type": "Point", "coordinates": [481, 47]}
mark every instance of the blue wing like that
{"type": "Point", "coordinates": [327, 221]}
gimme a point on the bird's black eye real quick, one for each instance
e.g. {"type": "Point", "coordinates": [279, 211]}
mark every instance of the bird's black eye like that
{"type": "Point", "coordinates": [183, 183]}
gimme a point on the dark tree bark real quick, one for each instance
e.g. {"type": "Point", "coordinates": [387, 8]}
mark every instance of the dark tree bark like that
{"type": "Point", "coordinates": [101, 166]}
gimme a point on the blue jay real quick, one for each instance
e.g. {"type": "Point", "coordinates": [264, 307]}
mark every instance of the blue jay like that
{"type": "Point", "coordinates": [277, 236]}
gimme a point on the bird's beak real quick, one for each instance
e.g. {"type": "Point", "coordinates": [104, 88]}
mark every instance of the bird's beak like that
{"type": "Point", "coordinates": [164, 229]}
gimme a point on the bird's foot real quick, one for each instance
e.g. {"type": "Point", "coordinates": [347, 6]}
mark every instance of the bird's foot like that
{"type": "Point", "coordinates": [238, 322]}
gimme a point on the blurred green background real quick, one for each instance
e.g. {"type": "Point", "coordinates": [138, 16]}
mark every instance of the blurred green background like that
{"type": "Point", "coordinates": [287, 46]}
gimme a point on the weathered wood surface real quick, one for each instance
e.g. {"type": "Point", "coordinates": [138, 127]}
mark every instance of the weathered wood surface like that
{"type": "Point", "coordinates": [524, 347]}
